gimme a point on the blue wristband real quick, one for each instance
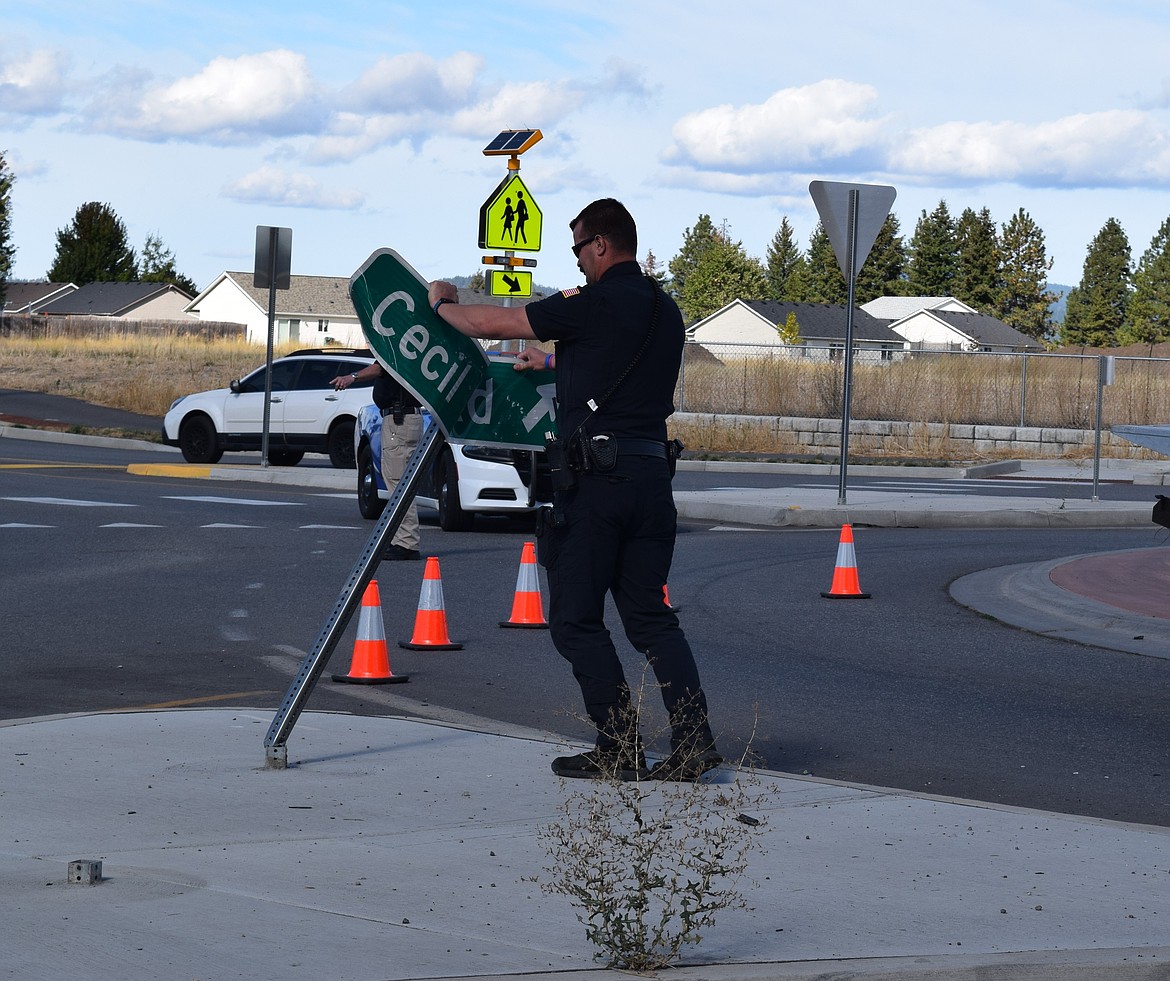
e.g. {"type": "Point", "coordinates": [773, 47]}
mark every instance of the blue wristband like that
{"type": "Point", "coordinates": [439, 302]}
{"type": "Point", "coordinates": [547, 361]}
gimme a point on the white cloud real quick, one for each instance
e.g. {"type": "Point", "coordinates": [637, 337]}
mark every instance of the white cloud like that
{"type": "Point", "coordinates": [828, 120]}
{"type": "Point", "coordinates": [413, 83]}
{"type": "Point", "coordinates": [514, 105]}
{"type": "Point", "coordinates": [1103, 149]}
{"type": "Point", "coordinates": [33, 85]}
{"type": "Point", "coordinates": [232, 100]}
{"type": "Point", "coordinates": [268, 185]}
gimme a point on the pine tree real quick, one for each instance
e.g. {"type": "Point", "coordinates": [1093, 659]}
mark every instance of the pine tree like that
{"type": "Point", "coordinates": [821, 280]}
{"type": "Point", "coordinates": [783, 264]}
{"type": "Point", "coordinates": [723, 273]}
{"type": "Point", "coordinates": [1097, 309]}
{"type": "Point", "coordinates": [1149, 309]}
{"type": "Point", "coordinates": [158, 266]}
{"type": "Point", "coordinates": [7, 249]}
{"type": "Point", "coordinates": [884, 271]}
{"type": "Point", "coordinates": [696, 241]}
{"type": "Point", "coordinates": [1024, 300]}
{"type": "Point", "coordinates": [934, 254]}
{"type": "Point", "coordinates": [94, 249]}
{"type": "Point", "coordinates": [977, 275]}
{"type": "Point", "coordinates": [653, 268]}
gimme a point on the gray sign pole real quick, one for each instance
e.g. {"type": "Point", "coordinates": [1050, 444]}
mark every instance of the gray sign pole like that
{"type": "Point", "coordinates": [1105, 364]}
{"type": "Point", "coordinates": [852, 215]}
{"type": "Point", "coordinates": [273, 270]}
{"type": "Point", "coordinates": [847, 384]}
{"type": "Point", "coordinates": [312, 667]}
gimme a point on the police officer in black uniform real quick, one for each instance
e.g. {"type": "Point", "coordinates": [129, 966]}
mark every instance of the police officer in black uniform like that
{"type": "Point", "coordinates": [619, 346]}
{"type": "Point", "coordinates": [401, 431]}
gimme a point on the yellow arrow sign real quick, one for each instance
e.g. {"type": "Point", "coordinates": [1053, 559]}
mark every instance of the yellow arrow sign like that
{"type": "Point", "coordinates": [509, 283]}
{"type": "Point", "coordinates": [510, 218]}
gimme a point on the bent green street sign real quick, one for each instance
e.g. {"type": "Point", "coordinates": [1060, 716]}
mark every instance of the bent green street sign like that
{"type": "Point", "coordinates": [474, 398]}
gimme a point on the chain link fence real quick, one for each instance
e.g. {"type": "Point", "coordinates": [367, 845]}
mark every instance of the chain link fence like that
{"type": "Point", "coordinates": [960, 387]}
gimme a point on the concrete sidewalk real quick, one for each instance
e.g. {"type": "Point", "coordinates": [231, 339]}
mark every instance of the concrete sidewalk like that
{"type": "Point", "coordinates": [398, 848]}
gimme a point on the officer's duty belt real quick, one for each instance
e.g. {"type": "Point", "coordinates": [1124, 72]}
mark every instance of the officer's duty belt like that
{"type": "Point", "coordinates": [641, 447]}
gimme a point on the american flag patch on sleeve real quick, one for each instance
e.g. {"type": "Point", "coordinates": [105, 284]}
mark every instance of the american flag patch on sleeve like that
{"type": "Point", "coordinates": [572, 292]}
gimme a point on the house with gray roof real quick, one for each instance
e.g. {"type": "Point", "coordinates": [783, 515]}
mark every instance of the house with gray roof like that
{"type": "Point", "coordinates": [894, 308]}
{"type": "Point", "coordinates": [949, 330]}
{"type": "Point", "coordinates": [944, 323]}
{"type": "Point", "coordinates": [25, 299]}
{"type": "Point", "coordinates": [122, 301]}
{"type": "Point", "coordinates": [820, 326]}
{"type": "Point", "coordinates": [315, 311]}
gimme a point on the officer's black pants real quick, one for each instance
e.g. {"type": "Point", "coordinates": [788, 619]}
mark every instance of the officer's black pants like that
{"type": "Point", "coordinates": [619, 539]}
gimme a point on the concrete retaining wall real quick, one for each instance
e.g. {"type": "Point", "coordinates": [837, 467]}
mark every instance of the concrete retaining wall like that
{"type": "Point", "coordinates": [824, 435]}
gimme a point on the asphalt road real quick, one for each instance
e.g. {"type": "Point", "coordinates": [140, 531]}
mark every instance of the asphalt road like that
{"type": "Point", "coordinates": [123, 592]}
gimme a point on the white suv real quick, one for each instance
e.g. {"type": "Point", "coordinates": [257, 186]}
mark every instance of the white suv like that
{"type": "Point", "coordinates": [464, 480]}
{"type": "Point", "coordinates": [306, 415]}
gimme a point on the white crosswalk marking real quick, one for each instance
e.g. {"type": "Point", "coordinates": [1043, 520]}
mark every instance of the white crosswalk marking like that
{"type": "Point", "coordinates": [68, 502]}
{"type": "Point", "coordinates": [234, 500]}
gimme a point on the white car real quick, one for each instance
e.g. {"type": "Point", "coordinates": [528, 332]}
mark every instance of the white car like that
{"type": "Point", "coordinates": [465, 480]}
{"type": "Point", "coordinates": [306, 414]}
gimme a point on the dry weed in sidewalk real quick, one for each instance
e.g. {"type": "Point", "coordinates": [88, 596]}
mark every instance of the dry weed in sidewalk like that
{"type": "Point", "coordinates": [648, 864]}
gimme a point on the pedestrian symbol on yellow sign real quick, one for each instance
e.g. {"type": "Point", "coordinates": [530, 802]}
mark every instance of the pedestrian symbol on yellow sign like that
{"type": "Point", "coordinates": [510, 218]}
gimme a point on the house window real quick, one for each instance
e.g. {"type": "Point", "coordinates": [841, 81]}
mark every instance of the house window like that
{"type": "Point", "coordinates": [288, 330]}
{"type": "Point", "coordinates": [887, 354]}
{"type": "Point", "coordinates": [322, 326]}
{"type": "Point", "coordinates": [836, 352]}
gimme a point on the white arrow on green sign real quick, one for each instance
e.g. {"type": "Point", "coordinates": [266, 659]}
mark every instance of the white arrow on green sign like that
{"type": "Point", "coordinates": [474, 398]}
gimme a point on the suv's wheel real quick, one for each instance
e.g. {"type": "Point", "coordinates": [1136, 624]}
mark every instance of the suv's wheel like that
{"type": "Point", "coordinates": [198, 440]}
{"type": "Point", "coordinates": [370, 504]}
{"type": "Point", "coordinates": [339, 444]}
{"type": "Point", "coordinates": [452, 517]}
{"type": "Point", "coordinates": [285, 458]}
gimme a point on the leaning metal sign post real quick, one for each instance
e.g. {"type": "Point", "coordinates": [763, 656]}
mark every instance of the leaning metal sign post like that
{"type": "Point", "coordinates": [852, 214]}
{"type": "Point", "coordinates": [273, 272]}
{"type": "Point", "coordinates": [470, 397]}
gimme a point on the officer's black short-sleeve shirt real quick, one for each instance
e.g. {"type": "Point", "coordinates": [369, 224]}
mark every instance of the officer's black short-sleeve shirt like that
{"type": "Point", "coordinates": [597, 330]}
{"type": "Point", "coordinates": [388, 392]}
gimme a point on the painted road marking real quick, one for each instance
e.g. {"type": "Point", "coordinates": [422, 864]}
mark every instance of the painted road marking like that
{"type": "Point", "coordinates": [235, 500]}
{"type": "Point", "coordinates": [67, 502]}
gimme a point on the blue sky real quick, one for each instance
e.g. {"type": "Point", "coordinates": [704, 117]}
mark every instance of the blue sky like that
{"type": "Point", "coordinates": [361, 125]}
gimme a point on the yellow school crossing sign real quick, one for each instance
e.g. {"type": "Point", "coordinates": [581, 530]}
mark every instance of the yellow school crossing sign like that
{"type": "Point", "coordinates": [510, 218]}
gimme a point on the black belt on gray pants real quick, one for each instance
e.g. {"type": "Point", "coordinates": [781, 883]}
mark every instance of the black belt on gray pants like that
{"type": "Point", "coordinates": [405, 411]}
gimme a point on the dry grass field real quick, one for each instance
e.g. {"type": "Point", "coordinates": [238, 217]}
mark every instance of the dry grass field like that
{"type": "Point", "coordinates": [136, 373]}
{"type": "Point", "coordinates": [145, 373]}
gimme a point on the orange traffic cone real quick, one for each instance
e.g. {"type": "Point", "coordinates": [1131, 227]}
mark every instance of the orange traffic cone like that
{"type": "Point", "coordinates": [666, 599]}
{"type": "Point", "coordinates": [845, 584]}
{"type": "Point", "coordinates": [430, 623]}
{"type": "Point", "coordinates": [371, 660]}
{"type": "Point", "coordinates": [527, 610]}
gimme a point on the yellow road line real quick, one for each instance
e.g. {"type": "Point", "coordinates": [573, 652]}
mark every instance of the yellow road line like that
{"type": "Point", "coordinates": [178, 703]}
{"type": "Point", "coordinates": [169, 470]}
